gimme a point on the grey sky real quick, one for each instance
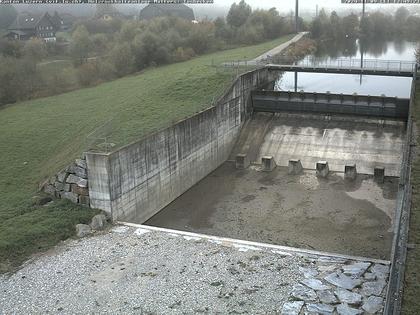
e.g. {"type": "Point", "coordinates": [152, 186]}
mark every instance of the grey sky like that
{"type": "Point", "coordinates": [307, 5]}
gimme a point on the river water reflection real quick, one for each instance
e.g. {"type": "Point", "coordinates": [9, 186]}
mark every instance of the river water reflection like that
{"type": "Point", "coordinates": [349, 84]}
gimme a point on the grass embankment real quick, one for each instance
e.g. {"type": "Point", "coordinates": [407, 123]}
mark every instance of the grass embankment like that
{"type": "Point", "coordinates": [39, 137]}
{"type": "Point", "coordinates": [411, 304]}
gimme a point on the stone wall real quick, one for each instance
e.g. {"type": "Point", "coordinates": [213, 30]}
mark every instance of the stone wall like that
{"type": "Point", "coordinates": [71, 183]}
{"type": "Point", "coordinates": [137, 181]}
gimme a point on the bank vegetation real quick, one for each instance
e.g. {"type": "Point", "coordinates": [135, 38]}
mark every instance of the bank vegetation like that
{"type": "Point", "coordinates": [101, 51]}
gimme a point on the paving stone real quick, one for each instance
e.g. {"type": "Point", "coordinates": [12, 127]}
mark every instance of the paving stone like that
{"type": "Point", "coordinates": [328, 268]}
{"type": "Point", "coordinates": [327, 297]}
{"type": "Point", "coordinates": [300, 292]}
{"type": "Point", "coordinates": [341, 280]}
{"type": "Point", "coordinates": [315, 284]}
{"type": "Point", "coordinates": [381, 271]}
{"type": "Point", "coordinates": [373, 288]}
{"type": "Point", "coordinates": [292, 308]}
{"type": "Point", "coordinates": [322, 309]}
{"type": "Point", "coordinates": [348, 297]}
{"type": "Point", "coordinates": [370, 276]}
{"type": "Point", "coordinates": [373, 304]}
{"type": "Point", "coordinates": [308, 272]}
{"type": "Point", "coordinates": [356, 269]}
{"type": "Point", "coordinates": [344, 309]}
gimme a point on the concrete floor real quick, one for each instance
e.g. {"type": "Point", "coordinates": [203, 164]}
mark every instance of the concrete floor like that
{"type": "Point", "coordinates": [299, 211]}
{"type": "Point", "coordinates": [311, 138]}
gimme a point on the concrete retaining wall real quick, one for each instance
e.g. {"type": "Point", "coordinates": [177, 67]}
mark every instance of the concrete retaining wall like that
{"type": "Point", "coordinates": [137, 181]}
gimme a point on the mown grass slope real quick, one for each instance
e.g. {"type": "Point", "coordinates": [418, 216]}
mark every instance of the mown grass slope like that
{"type": "Point", "coordinates": [39, 137]}
{"type": "Point", "coordinates": [411, 303]}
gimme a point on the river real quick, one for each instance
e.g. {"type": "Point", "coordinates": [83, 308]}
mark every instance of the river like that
{"type": "Point", "coordinates": [349, 84]}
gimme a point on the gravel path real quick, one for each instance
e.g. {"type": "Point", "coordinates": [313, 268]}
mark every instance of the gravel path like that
{"type": "Point", "coordinates": [280, 48]}
{"type": "Point", "coordinates": [132, 270]}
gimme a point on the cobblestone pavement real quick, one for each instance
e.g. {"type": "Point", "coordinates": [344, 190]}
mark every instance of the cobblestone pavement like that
{"type": "Point", "coordinates": [144, 271]}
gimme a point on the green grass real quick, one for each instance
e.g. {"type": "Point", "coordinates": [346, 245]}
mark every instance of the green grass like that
{"type": "Point", "coordinates": [39, 137]}
{"type": "Point", "coordinates": [411, 303]}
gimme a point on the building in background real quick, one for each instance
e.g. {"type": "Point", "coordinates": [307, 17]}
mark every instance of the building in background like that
{"type": "Point", "coordinates": [27, 26]}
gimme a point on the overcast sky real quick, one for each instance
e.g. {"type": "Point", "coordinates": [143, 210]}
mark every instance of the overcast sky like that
{"type": "Point", "coordinates": [287, 5]}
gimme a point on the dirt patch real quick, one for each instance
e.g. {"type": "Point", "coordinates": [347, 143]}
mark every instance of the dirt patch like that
{"type": "Point", "coordinates": [300, 211]}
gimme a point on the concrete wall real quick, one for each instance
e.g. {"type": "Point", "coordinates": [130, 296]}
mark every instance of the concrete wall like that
{"type": "Point", "coordinates": [137, 181]}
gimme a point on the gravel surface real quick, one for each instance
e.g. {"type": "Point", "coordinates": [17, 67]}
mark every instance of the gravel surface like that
{"type": "Point", "coordinates": [133, 270]}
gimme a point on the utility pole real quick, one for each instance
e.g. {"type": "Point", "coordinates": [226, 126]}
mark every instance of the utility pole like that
{"type": "Point", "coordinates": [297, 16]}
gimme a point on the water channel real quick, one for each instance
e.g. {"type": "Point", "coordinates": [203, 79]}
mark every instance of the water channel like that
{"type": "Point", "coordinates": [347, 51]}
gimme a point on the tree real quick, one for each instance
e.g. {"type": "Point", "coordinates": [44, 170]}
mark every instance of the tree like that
{"type": "Point", "coordinates": [335, 27]}
{"type": "Point", "coordinates": [35, 49]}
{"type": "Point", "coordinates": [321, 25]}
{"type": "Point", "coordinates": [7, 15]}
{"type": "Point", "coordinates": [221, 29]}
{"type": "Point", "coordinates": [80, 43]}
{"type": "Point", "coordinates": [418, 54]}
{"type": "Point", "coordinates": [11, 48]}
{"type": "Point", "coordinates": [350, 25]}
{"type": "Point", "coordinates": [149, 48]}
{"type": "Point", "coordinates": [122, 58]}
{"type": "Point", "coordinates": [238, 14]}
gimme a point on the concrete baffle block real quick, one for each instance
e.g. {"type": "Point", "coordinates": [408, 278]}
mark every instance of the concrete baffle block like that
{"type": "Point", "coordinates": [379, 174]}
{"type": "Point", "coordinates": [295, 167]}
{"type": "Point", "coordinates": [242, 162]}
{"type": "Point", "coordinates": [322, 169]}
{"type": "Point", "coordinates": [350, 172]}
{"type": "Point", "coordinates": [268, 163]}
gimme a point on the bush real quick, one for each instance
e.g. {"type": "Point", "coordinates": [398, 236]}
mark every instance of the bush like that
{"type": "Point", "coordinates": [11, 48]}
{"type": "Point", "coordinates": [122, 59]}
{"type": "Point", "coordinates": [182, 54]}
{"type": "Point", "coordinates": [88, 74]}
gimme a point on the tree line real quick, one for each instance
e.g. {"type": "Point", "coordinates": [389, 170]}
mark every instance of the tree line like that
{"type": "Point", "coordinates": [375, 25]}
{"type": "Point", "coordinates": [104, 50]}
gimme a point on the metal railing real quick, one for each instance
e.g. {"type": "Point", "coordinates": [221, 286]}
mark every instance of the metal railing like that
{"type": "Point", "coordinates": [351, 63]}
{"type": "Point", "coordinates": [329, 63]}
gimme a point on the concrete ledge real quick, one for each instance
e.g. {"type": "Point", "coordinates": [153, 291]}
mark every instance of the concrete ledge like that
{"type": "Point", "coordinates": [242, 162]}
{"type": "Point", "coordinates": [379, 174]}
{"type": "Point", "coordinates": [268, 163]}
{"type": "Point", "coordinates": [322, 169]}
{"type": "Point", "coordinates": [350, 172]}
{"type": "Point", "coordinates": [295, 167]}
